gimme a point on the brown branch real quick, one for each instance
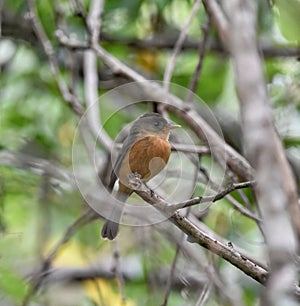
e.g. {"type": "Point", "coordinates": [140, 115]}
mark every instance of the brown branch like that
{"type": "Point", "coordinates": [222, 194]}
{"type": "Point", "coordinates": [202, 150]}
{"type": "Point", "coordinates": [194, 233]}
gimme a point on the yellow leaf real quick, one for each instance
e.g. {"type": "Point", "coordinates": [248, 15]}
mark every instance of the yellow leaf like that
{"type": "Point", "coordinates": [72, 254]}
{"type": "Point", "coordinates": [148, 60]}
{"type": "Point", "coordinates": [66, 134]}
{"type": "Point", "coordinates": [101, 293]}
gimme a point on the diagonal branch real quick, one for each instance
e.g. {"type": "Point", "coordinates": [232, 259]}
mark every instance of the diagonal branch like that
{"type": "Point", "coordinates": [221, 150]}
{"type": "Point", "coordinates": [202, 51]}
{"type": "Point", "coordinates": [196, 235]}
{"type": "Point", "coordinates": [70, 99]}
{"type": "Point", "coordinates": [218, 17]}
{"type": "Point", "coordinates": [222, 194]}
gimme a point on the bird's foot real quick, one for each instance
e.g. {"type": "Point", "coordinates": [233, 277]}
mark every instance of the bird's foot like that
{"type": "Point", "coordinates": [135, 181]}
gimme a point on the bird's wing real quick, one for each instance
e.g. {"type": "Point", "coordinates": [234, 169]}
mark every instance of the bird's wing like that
{"type": "Point", "coordinates": [127, 144]}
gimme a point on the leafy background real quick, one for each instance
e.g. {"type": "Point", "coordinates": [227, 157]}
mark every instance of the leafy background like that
{"type": "Point", "coordinates": [35, 211]}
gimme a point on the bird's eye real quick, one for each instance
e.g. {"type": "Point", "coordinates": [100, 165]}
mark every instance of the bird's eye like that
{"type": "Point", "coordinates": [156, 123]}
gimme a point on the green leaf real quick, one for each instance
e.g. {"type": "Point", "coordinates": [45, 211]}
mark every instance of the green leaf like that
{"type": "Point", "coordinates": [287, 14]}
{"type": "Point", "coordinates": [12, 285]}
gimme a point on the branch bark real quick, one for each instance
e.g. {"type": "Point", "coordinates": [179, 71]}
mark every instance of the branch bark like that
{"type": "Point", "coordinates": [275, 189]}
{"type": "Point", "coordinates": [196, 235]}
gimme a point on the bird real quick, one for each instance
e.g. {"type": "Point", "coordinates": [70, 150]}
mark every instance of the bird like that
{"type": "Point", "coordinates": [145, 151]}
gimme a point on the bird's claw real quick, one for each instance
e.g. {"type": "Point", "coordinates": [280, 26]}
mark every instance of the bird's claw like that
{"type": "Point", "coordinates": [135, 181]}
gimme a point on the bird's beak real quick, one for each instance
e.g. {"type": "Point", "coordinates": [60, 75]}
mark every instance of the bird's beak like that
{"type": "Point", "coordinates": [172, 125]}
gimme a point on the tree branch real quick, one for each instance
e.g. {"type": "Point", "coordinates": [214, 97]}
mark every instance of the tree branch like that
{"type": "Point", "coordinates": [17, 27]}
{"type": "Point", "coordinates": [275, 188]}
{"type": "Point", "coordinates": [70, 99]}
{"type": "Point", "coordinates": [91, 75]}
{"type": "Point", "coordinates": [202, 51]}
{"type": "Point", "coordinates": [178, 45]}
{"type": "Point", "coordinates": [222, 194]}
{"type": "Point", "coordinates": [218, 17]}
{"type": "Point", "coordinates": [227, 252]}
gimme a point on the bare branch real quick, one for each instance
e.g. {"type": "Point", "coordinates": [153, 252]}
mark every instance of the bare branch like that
{"type": "Point", "coordinates": [91, 75]}
{"type": "Point", "coordinates": [171, 277]}
{"type": "Point", "coordinates": [178, 45]}
{"type": "Point", "coordinates": [70, 99]}
{"type": "Point", "coordinates": [37, 165]}
{"type": "Point", "coordinates": [275, 189]}
{"type": "Point", "coordinates": [57, 275]}
{"type": "Point", "coordinates": [218, 17]}
{"type": "Point", "coordinates": [94, 20]}
{"type": "Point", "coordinates": [202, 51]}
{"type": "Point", "coordinates": [222, 194]}
{"type": "Point", "coordinates": [118, 272]}
{"type": "Point", "coordinates": [227, 252]}
{"type": "Point", "coordinates": [18, 28]}
{"type": "Point", "coordinates": [204, 294]}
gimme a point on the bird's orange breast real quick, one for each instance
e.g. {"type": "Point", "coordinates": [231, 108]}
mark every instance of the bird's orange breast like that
{"type": "Point", "coordinates": [147, 157]}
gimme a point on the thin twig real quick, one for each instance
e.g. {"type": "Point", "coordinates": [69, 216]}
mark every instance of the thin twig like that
{"type": "Point", "coordinates": [70, 99]}
{"type": "Point", "coordinates": [173, 266]}
{"type": "Point", "coordinates": [225, 251]}
{"type": "Point", "coordinates": [214, 46]}
{"type": "Point", "coordinates": [204, 294]}
{"type": "Point", "coordinates": [36, 165]}
{"type": "Point", "coordinates": [118, 272]}
{"type": "Point", "coordinates": [171, 277]}
{"type": "Point", "coordinates": [178, 45]}
{"type": "Point", "coordinates": [214, 198]}
{"type": "Point", "coordinates": [202, 51]}
{"type": "Point", "coordinates": [18, 27]}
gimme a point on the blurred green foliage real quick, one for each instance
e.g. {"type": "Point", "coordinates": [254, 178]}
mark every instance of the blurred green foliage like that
{"type": "Point", "coordinates": [36, 121]}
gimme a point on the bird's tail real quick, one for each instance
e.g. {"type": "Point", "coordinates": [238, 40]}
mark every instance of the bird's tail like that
{"type": "Point", "coordinates": [110, 228]}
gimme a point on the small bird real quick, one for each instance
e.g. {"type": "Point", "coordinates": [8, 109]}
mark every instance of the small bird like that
{"type": "Point", "coordinates": [145, 151]}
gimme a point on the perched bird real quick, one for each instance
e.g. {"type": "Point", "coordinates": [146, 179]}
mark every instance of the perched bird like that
{"type": "Point", "coordinates": [145, 151]}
